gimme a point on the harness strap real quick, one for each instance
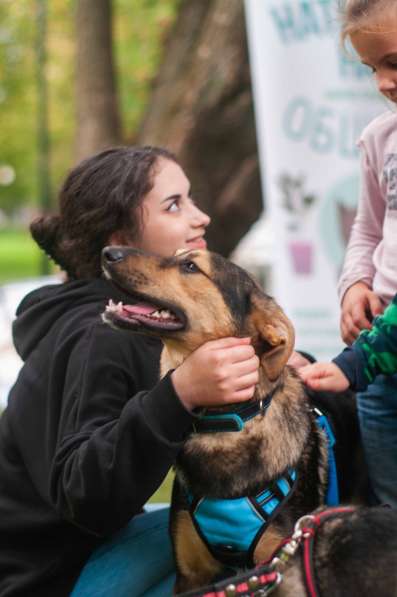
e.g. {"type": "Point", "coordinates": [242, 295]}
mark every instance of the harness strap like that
{"type": "Point", "coordinates": [332, 495]}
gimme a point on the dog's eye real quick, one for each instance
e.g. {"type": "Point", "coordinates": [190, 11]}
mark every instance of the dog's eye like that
{"type": "Point", "coordinates": [189, 267]}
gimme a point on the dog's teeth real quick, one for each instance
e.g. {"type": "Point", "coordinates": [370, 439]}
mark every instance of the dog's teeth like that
{"type": "Point", "coordinates": [111, 307]}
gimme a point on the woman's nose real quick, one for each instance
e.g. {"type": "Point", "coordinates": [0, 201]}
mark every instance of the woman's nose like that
{"type": "Point", "coordinates": [201, 218]}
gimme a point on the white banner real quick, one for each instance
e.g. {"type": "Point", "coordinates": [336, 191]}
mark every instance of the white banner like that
{"type": "Point", "coordinates": [311, 101]}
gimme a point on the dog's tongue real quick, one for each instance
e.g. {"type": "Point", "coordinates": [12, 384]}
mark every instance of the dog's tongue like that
{"type": "Point", "coordinates": [140, 308]}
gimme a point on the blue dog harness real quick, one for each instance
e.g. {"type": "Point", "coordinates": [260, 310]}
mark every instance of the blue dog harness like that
{"type": "Point", "coordinates": [231, 528]}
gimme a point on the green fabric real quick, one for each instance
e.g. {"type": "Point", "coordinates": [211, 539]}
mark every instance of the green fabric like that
{"type": "Point", "coordinates": [378, 346]}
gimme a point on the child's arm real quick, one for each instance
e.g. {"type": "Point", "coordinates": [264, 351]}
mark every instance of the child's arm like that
{"type": "Point", "coordinates": [359, 303]}
{"type": "Point", "coordinates": [373, 353]}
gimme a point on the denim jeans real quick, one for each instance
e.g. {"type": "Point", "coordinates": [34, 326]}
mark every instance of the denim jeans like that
{"type": "Point", "coordinates": [136, 562]}
{"type": "Point", "coordinates": [377, 410]}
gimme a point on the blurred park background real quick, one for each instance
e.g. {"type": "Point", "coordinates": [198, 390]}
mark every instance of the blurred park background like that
{"type": "Point", "coordinates": [80, 75]}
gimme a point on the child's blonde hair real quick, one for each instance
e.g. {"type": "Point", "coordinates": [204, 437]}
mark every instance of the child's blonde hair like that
{"type": "Point", "coordinates": [357, 14]}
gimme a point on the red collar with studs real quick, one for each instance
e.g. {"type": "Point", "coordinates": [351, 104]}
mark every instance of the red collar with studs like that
{"type": "Point", "coordinates": [265, 578]}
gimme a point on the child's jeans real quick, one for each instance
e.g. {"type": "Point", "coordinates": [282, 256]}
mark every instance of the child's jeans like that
{"type": "Point", "coordinates": [377, 409]}
{"type": "Point", "coordinates": [136, 562]}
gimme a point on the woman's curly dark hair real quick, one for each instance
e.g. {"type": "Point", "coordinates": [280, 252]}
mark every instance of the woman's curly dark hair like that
{"type": "Point", "coordinates": [100, 196]}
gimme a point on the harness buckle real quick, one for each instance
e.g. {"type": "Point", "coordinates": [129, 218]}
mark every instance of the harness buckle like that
{"type": "Point", "coordinates": [288, 550]}
{"type": "Point", "coordinates": [302, 523]}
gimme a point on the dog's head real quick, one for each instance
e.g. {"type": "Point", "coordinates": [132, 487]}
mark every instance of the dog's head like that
{"type": "Point", "coordinates": [194, 297]}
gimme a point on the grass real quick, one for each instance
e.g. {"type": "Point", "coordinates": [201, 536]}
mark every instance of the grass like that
{"type": "Point", "coordinates": [163, 494]}
{"type": "Point", "coordinates": [19, 255]}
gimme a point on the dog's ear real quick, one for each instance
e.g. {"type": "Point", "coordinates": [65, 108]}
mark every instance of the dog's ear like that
{"type": "Point", "coordinates": [272, 332]}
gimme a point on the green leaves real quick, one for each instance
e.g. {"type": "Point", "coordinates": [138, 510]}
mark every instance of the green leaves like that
{"type": "Point", "coordinates": [139, 29]}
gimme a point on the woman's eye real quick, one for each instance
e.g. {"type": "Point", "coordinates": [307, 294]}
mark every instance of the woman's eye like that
{"type": "Point", "coordinates": [189, 267]}
{"type": "Point", "coordinates": [173, 206]}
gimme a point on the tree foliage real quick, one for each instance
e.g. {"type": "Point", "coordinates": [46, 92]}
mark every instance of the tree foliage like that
{"type": "Point", "coordinates": [17, 99]}
{"type": "Point", "coordinates": [139, 29]}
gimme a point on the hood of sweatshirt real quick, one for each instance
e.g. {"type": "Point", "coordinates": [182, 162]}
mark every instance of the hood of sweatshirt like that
{"type": "Point", "coordinates": [41, 308]}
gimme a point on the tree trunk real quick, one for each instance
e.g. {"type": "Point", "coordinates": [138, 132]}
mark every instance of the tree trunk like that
{"type": "Point", "coordinates": [98, 120]}
{"type": "Point", "coordinates": [201, 108]}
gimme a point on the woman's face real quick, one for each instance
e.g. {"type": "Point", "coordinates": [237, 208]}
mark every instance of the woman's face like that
{"type": "Point", "coordinates": [170, 218]}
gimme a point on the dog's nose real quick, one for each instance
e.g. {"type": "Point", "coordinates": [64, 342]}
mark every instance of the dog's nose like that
{"type": "Point", "coordinates": [112, 254]}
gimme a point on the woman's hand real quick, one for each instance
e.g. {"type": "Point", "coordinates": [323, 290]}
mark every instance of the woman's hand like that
{"type": "Point", "coordinates": [219, 372]}
{"type": "Point", "coordinates": [324, 376]}
{"type": "Point", "coordinates": [359, 306]}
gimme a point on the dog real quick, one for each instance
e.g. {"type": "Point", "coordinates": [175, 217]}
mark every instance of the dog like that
{"type": "Point", "coordinates": [353, 554]}
{"type": "Point", "coordinates": [254, 468]}
{"type": "Point", "coordinates": [341, 551]}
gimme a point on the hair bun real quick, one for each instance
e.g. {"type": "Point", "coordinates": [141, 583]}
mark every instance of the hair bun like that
{"type": "Point", "coordinates": [46, 232]}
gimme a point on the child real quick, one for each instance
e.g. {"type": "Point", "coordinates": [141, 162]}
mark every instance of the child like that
{"type": "Point", "coordinates": [89, 432]}
{"type": "Point", "coordinates": [369, 277]}
{"type": "Point", "coordinates": [374, 352]}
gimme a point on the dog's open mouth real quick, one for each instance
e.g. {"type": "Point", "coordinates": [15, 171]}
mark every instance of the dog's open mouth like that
{"type": "Point", "coordinates": [143, 314]}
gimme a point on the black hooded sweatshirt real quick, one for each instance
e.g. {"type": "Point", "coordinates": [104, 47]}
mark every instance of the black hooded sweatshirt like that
{"type": "Point", "coordinates": [88, 435]}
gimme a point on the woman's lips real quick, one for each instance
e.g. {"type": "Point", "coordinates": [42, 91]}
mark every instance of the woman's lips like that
{"type": "Point", "coordinates": [197, 243]}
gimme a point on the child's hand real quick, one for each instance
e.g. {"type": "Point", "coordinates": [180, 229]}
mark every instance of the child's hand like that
{"type": "Point", "coordinates": [359, 306]}
{"type": "Point", "coordinates": [297, 360]}
{"type": "Point", "coordinates": [219, 372]}
{"type": "Point", "coordinates": [324, 376]}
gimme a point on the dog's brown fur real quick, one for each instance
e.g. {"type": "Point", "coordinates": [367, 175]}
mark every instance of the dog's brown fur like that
{"type": "Point", "coordinates": [214, 299]}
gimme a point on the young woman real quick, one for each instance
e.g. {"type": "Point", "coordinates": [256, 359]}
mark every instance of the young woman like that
{"type": "Point", "coordinates": [89, 432]}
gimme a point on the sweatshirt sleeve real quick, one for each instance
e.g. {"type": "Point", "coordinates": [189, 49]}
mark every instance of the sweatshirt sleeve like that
{"type": "Point", "coordinates": [351, 363]}
{"type": "Point", "coordinates": [116, 441]}
{"type": "Point", "coordinates": [366, 232]}
{"type": "Point", "coordinates": [374, 352]}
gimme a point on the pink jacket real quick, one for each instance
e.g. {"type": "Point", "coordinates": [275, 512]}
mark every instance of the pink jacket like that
{"type": "Point", "coordinates": [371, 254]}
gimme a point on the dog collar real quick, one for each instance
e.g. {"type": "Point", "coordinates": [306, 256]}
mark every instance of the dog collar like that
{"type": "Point", "coordinates": [213, 420]}
{"type": "Point", "coordinates": [304, 538]}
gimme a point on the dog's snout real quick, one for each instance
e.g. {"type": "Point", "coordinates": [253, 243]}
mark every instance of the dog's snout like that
{"type": "Point", "coordinates": [112, 254]}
